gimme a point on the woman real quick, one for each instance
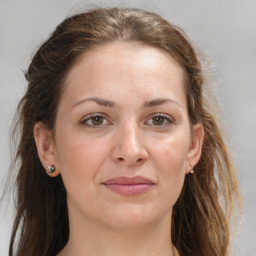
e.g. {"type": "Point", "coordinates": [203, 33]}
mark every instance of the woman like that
{"type": "Point", "coordinates": [119, 152]}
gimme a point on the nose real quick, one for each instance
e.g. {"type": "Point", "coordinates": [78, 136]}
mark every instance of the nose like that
{"type": "Point", "coordinates": [129, 146]}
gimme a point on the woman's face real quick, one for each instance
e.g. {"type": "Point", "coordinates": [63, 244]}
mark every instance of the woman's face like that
{"type": "Point", "coordinates": [122, 138]}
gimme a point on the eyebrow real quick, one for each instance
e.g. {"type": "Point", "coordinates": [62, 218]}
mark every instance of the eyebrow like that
{"type": "Point", "coordinates": [160, 101]}
{"type": "Point", "coordinates": [112, 104]}
{"type": "Point", "coordinates": [99, 101]}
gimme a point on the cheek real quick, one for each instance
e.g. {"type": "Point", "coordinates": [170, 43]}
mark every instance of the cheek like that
{"type": "Point", "coordinates": [79, 160]}
{"type": "Point", "coordinates": [171, 158]}
{"type": "Point", "coordinates": [172, 153]}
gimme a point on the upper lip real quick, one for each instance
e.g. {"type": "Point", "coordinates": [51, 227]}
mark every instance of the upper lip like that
{"type": "Point", "coordinates": [122, 180]}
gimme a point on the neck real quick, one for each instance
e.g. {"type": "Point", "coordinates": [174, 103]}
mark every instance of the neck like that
{"type": "Point", "coordinates": [89, 238]}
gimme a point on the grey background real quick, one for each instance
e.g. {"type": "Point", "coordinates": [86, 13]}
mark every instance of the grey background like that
{"type": "Point", "coordinates": [224, 30]}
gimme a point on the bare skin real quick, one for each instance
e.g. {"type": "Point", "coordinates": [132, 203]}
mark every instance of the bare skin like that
{"type": "Point", "coordinates": [123, 113]}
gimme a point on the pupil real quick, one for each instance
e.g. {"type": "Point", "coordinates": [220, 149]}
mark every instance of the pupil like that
{"type": "Point", "coordinates": [158, 120]}
{"type": "Point", "coordinates": [97, 120]}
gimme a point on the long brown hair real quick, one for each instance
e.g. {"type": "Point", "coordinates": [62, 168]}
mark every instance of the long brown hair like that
{"type": "Point", "coordinates": [201, 216]}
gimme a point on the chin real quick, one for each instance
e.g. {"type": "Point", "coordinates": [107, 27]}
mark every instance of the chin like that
{"type": "Point", "coordinates": [130, 217]}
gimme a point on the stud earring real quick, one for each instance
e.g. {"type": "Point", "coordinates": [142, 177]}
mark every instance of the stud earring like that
{"type": "Point", "coordinates": [51, 169]}
{"type": "Point", "coordinates": [192, 171]}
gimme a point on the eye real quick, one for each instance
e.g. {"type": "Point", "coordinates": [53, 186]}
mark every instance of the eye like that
{"type": "Point", "coordinates": [160, 120]}
{"type": "Point", "coordinates": [94, 120]}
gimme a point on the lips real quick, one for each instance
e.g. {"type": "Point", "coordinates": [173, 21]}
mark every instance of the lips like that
{"type": "Point", "coordinates": [129, 186]}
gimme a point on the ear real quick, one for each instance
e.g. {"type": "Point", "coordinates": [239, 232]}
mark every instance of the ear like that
{"type": "Point", "coordinates": [45, 147]}
{"type": "Point", "coordinates": [195, 149]}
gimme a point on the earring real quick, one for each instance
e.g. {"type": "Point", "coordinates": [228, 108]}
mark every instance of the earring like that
{"type": "Point", "coordinates": [51, 169]}
{"type": "Point", "coordinates": [192, 171]}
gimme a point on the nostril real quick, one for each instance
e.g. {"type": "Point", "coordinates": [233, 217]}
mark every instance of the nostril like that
{"type": "Point", "coordinates": [129, 161]}
{"type": "Point", "coordinates": [139, 160]}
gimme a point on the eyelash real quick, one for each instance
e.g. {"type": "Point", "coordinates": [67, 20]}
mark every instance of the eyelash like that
{"type": "Point", "coordinates": [167, 120]}
{"type": "Point", "coordinates": [90, 118]}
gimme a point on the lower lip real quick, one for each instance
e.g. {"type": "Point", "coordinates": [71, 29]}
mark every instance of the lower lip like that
{"type": "Point", "coordinates": [129, 189]}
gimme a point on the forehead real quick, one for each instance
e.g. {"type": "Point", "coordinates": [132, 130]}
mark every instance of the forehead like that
{"type": "Point", "coordinates": [131, 54]}
{"type": "Point", "coordinates": [124, 67]}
